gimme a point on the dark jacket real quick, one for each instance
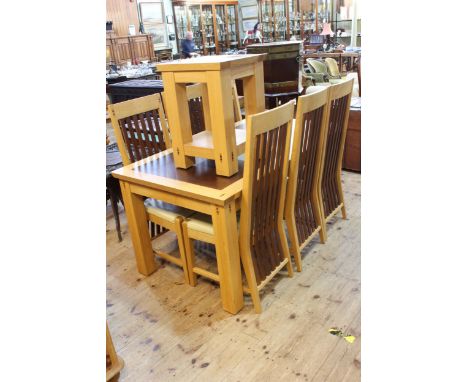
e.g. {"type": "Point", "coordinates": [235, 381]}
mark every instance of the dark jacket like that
{"type": "Point", "coordinates": [188, 46]}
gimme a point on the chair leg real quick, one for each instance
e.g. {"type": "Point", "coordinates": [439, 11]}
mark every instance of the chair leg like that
{"type": "Point", "coordinates": [189, 255]}
{"type": "Point", "coordinates": [181, 242]}
{"type": "Point", "coordinates": [319, 218]}
{"type": "Point", "coordinates": [341, 196]}
{"type": "Point", "coordinates": [292, 230]}
{"type": "Point", "coordinates": [284, 245]}
{"type": "Point", "coordinates": [115, 211]}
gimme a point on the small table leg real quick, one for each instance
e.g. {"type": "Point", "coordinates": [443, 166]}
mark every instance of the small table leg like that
{"type": "Point", "coordinates": [222, 122]}
{"type": "Point", "coordinates": [254, 92]}
{"type": "Point", "coordinates": [227, 254]}
{"type": "Point", "coordinates": [138, 227]}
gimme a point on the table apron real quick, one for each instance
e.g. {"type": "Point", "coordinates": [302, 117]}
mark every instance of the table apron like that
{"type": "Point", "coordinates": [169, 197]}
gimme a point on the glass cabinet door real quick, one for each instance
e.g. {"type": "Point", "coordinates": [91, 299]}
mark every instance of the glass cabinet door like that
{"type": "Point", "coordinates": [232, 27]}
{"type": "Point", "coordinates": [279, 20]}
{"type": "Point", "coordinates": [208, 29]}
{"type": "Point", "coordinates": [180, 15]}
{"type": "Point", "coordinates": [267, 21]}
{"type": "Point", "coordinates": [294, 20]}
{"type": "Point", "coordinates": [323, 13]}
{"type": "Point", "coordinates": [221, 28]}
{"type": "Point", "coordinates": [196, 27]}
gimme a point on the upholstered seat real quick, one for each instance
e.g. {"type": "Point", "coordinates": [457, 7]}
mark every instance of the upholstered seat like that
{"type": "Point", "coordinates": [333, 70]}
{"type": "Point", "coordinates": [319, 71]}
{"type": "Point", "coordinates": [166, 211]}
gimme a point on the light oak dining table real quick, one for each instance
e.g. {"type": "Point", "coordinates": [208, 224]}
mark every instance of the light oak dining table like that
{"type": "Point", "coordinates": [197, 188]}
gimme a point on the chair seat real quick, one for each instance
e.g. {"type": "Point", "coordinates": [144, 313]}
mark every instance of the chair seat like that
{"type": "Point", "coordinates": [165, 210]}
{"type": "Point", "coordinates": [203, 223]}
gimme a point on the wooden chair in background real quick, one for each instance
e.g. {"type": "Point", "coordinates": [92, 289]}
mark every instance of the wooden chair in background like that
{"type": "Point", "coordinates": [303, 212]}
{"type": "Point", "coordinates": [263, 246]}
{"type": "Point", "coordinates": [339, 100]}
{"type": "Point", "coordinates": [140, 129]}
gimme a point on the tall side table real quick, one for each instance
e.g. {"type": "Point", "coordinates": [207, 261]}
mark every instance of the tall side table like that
{"type": "Point", "coordinates": [217, 73]}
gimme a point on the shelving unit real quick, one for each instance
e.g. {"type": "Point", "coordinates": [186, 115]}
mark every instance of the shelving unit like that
{"type": "Point", "coordinates": [286, 20]}
{"type": "Point", "coordinates": [215, 24]}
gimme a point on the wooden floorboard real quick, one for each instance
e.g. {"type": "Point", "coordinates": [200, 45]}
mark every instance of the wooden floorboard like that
{"type": "Point", "coordinates": [167, 330]}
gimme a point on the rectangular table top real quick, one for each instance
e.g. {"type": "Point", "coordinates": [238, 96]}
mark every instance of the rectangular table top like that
{"type": "Point", "coordinates": [205, 63]}
{"type": "Point", "coordinates": [198, 182]}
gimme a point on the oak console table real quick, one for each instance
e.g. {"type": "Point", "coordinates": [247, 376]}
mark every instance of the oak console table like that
{"type": "Point", "coordinates": [220, 141]}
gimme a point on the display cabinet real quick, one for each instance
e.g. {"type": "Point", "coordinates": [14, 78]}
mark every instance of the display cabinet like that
{"type": "Point", "coordinates": [292, 19]}
{"type": "Point", "coordinates": [215, 24]}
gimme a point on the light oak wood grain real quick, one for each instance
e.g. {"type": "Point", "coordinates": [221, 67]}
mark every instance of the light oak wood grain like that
{"type": "Point", "coordinates": [160, 325]}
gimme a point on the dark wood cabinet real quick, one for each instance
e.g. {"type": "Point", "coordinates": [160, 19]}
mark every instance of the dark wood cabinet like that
{"type": "Point", "coordinates": [352, 150]}
{"type": "Point", "coordinates": [129, 48]}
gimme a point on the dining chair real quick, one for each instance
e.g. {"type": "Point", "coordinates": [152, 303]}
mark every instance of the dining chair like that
{"type": "Point", "coordinates": [263, 246]}
{"type": "Point", "coordinates": [140, 129]}
{"type": "Point", "coordinates": [339, 99]}
{"type": "Point", "coordinates": [303, 213]}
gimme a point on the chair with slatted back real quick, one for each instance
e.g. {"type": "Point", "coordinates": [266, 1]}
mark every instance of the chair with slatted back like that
{"type": "Point", "coordinates": [332, 199]}
{"type": "Point", "coordinates": [263, 246]}
{"type": "Point", "coordinates": [140, 129]}
{"type": "Point", "coordinates": [303, 213]}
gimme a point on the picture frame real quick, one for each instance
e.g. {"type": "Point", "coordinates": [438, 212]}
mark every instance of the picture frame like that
{"type": "Point", "coordinates": [249, 12]}
{"type": "Point", "coordinates": [152, 12]}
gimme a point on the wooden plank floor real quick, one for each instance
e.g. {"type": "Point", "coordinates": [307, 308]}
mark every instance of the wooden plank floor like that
{"type": "Point", "coordinates": [167, 330]}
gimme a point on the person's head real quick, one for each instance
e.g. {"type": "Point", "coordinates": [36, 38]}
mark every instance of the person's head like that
{"type": "Point", "coordinates": [189, 35]}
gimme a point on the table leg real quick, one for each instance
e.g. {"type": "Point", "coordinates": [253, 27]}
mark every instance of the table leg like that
{"type": "Point", "coordinates": [227, 254]}
{"type": "Point", "coordinates": [206, 107]}
{"type": "Point", "coordinates": [254, 91]}
{"type": "Point", "coordinates": [177, 111]}
{"type": "Point", "coordinates": [138, 227]}
{"type": "Point", "coordinates": [222, 122]}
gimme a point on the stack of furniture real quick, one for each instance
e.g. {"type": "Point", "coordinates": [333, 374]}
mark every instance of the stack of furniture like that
{"type": "Point", "coordinates": [204, 173]}
{"type": "Point", "coordinates": [214, 23]}
{"type": "Point", "coordinates": [135, 49]}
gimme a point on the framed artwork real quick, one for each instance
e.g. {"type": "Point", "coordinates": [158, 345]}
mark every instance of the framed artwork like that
{"type": "Point", "coordinates": [249, 12]}
{"type": "Point", "coordinates": [152, 12]}
{"type": "Point", "coordinates": [154, 22]}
